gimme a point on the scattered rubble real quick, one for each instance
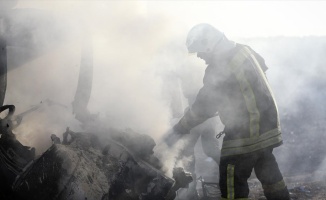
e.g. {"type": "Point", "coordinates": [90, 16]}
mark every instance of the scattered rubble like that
{"type": "Point", "coordinates": [302, 187]}
{"type": "Point", "coordinates": [84, 166]}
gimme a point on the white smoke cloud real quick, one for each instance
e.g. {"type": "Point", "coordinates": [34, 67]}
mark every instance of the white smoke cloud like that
{"type": "Point", "coordinates": [136, 44]}
{"type": "Point", "coordinates": [126, 88]}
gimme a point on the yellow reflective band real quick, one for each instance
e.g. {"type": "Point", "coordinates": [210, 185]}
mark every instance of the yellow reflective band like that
{"type": "Point", "coordinates": [275, 187]}
{"type": "Point", "coordinates": [247, 92]}
{"type": "Point", "coordinates": [251, 141]}
{"type": "Point", "coordinates": [248, 149]}
{"type": "Point", "coordinates": [230, 181]}
{"type": "Point", "coordinates": [264, 77]}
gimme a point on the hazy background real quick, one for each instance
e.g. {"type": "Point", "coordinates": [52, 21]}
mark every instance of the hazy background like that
{"type": "Point", "coordinates": [139, 45]}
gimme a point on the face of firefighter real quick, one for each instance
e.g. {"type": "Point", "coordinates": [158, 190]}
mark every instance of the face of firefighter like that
{"type": "Point", "coordinates": [205, 56]}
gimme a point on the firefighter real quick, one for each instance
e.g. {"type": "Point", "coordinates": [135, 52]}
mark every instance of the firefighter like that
{"type": "Point", "coordinates": [235, 87]}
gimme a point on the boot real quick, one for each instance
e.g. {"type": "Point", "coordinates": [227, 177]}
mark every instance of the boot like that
{"type": "Point", "coordinates": [278, 195]}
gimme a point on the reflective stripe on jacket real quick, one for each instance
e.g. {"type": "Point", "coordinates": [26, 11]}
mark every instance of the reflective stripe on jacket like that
{"type": "Point", "coordinates": [236, 87]}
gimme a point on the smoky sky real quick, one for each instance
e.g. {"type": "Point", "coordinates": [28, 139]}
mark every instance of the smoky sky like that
{"type": "Point", "coordinates": [139, 58]}
{"type": "Point", "coordinates": [44, 59]}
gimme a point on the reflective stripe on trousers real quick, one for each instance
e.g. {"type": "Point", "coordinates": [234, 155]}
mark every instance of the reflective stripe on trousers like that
{"type": "Point", "coordinates": [230, 184]}
{"type": "Point", "coordinates": [235, 171]}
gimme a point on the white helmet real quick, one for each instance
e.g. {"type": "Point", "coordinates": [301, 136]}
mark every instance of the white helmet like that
{"type": "Point", "coordinates": [203, 38]}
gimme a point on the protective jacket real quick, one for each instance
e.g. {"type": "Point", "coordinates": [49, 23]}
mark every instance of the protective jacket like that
{"type": "Point", "coordinates": [236, 87]}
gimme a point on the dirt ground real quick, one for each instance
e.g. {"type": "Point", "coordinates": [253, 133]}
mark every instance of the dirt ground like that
{"type": "Point", "coordinates": [302, 191]}
{"type": "Point", "coordinates": [304, 187]}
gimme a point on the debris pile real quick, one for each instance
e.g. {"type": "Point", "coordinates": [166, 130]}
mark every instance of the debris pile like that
{"type": "Point", "coordinates": [83, 166]}
{"type": "Point", "coordinates": [301, 187]}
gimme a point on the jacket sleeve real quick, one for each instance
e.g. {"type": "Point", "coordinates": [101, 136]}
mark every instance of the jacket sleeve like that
{"type": "Point", "coordinates": [204, 107]}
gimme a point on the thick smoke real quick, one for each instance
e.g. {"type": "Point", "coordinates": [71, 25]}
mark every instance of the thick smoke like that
{"type": "Point", "coordinates": [44, 59]}
{"type": "Point", "coordinates": [139, 57]}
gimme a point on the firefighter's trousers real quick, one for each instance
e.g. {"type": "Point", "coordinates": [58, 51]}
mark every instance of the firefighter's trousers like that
{"type": "Point", "coordinates": [235, 171]}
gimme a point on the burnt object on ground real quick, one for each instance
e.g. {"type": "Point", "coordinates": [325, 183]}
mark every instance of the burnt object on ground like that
{"type": "Point", "coordinates": [80, 170]}
{"type": "Point", "coordinates": [14, 157]}
{"type": "Point", "coordinates": [84, 167]}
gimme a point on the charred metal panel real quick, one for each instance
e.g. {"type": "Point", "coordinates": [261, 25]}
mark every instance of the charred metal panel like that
{"type": "Point", "coordinates": [82, 170]}
{"type": "Point", "coordinates": [84, 86]}
{"type": "Point", "coordinates": [3, 68]}
{"type": "Point", "coordinates": [136, 179]}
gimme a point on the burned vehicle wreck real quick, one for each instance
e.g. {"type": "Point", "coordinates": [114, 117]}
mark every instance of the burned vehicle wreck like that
{"type": "Point", "coordinates": [81, 167]}
{"type": "Point", "coordinates": [97, 164]}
